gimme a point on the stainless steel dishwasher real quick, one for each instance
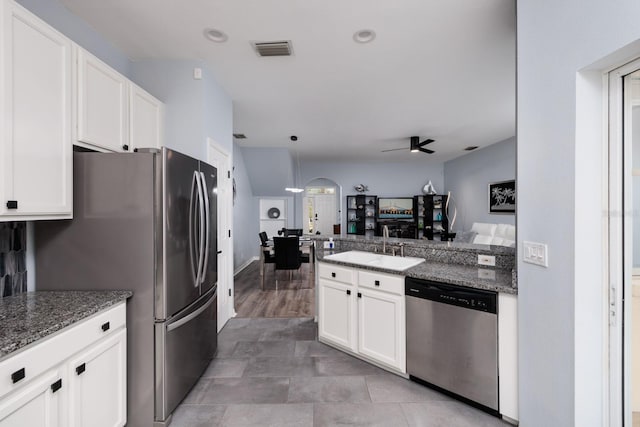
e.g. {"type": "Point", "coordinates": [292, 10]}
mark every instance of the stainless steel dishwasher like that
{"type": "Point", "coordinates": [452, 340]}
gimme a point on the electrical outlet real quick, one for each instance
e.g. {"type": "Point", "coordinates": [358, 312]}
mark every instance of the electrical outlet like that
{"type": "Point", "coordinates": [488, 260]}
{"type": "Point", "coordinates": [197, 73]}
{"type": "Point", "coordinates": [536, 253]}
{"type": "Point", "coordinates": [486, 274]}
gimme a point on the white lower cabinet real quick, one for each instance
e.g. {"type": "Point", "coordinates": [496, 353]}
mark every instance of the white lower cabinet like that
{"type": "Point", "coordinates": [335, 322]}
{"type": "Point", "coordinates": [75, 378]}
{"type": "Point", "coordinates": [381, 327]}
{"type": "Point", "coordinates": [99, 371]}
{"type": "Point", "coordinates": [41, 402]}
{"type": "Point", "coordinates": [364, 313]}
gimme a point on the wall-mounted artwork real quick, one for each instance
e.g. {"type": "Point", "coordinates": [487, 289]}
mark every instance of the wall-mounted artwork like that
{"type": "Point", "coordinates": [502, 197]}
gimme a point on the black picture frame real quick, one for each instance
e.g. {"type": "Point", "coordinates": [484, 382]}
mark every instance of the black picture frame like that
{"type": "Point", "coordinates": [502, 197]}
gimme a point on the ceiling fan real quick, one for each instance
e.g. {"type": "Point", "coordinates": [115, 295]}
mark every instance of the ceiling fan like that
{"type": "Point", "coordinates": [416, 146]}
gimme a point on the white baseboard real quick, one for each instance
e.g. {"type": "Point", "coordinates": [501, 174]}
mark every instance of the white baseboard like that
{"type": "Point", "coordinates": [245, 265]}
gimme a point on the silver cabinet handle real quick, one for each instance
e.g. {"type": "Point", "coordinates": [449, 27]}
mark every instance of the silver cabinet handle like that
{"type": "Point", "coordinates": [187, 319]}
{"type": "Point", "coordinates": [207, 221]}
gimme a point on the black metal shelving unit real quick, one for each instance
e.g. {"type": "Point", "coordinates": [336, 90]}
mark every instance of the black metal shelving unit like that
{"type": "Point", "coordinates": [361, 214]}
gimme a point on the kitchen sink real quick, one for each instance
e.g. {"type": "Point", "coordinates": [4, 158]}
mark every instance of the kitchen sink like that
{"type": "Point", "coordinates": [372, 259]}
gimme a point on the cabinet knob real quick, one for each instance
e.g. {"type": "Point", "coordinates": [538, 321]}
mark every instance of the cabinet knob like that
{"type": "Point", "coordinates": [348, 292]}
{"type": "Point", "coordinates": [359, 295]}
{"type": "Point", "coordinates": [80, 369]}
{"type": "Point", "coordinates": [125, 147]}
{"type": "Point", "coordinates": [105, 327]}
{"type": "Point", "coordinates": [333, 274]}
{"type": "Point", "coordinates": [56, 386]}
{"type": "Point", "coordinates": [377, 282]}
{"type": "Point", "coordinates": [18, 375]}
{"type": "Point", "coordinates": [12, 204]}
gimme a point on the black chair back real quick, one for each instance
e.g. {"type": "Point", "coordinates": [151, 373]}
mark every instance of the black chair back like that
{"type": "Point", "coordinates": [263, 238]}
{"type": "Point", "coordinates": [287, 252]}
{"type": "Point", "coordinates": [292, 232]}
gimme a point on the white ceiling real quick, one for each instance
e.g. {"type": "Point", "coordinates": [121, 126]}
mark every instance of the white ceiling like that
{"type": "Point", "coordinates": [438, 69]}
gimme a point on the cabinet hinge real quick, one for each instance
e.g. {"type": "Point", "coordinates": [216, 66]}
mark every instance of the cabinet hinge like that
{"type": "Point", "coordinates": [228, 174]}
{"type": "Point", "coordinates": [229, 292]}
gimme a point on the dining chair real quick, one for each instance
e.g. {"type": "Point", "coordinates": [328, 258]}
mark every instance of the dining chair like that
{"type": "Point", "coordinates": [287, 254]}
{"type": "Point", "coordinates": [266, 256]}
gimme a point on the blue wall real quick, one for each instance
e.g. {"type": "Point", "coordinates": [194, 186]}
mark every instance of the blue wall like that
{"type": "Point", "coordinates": [59, 17]}
{"type": "Point", "coordinates": [245, 213]}
{"type": "Point", "coordinates": [194, 109]}
{"type": "Point", "coordinates": [468, 177]}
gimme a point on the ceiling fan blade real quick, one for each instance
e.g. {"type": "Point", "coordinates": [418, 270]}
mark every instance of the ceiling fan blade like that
{"type": "Point", "coordinates": [394, 149]}
{"type": "Point", "coordinates": [426, 150]}
{"type": "Point", "coordinates": [427, 141]}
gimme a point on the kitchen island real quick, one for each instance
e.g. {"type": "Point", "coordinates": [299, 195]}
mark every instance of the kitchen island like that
{"type": "Point", "coordinates": [362, 308]}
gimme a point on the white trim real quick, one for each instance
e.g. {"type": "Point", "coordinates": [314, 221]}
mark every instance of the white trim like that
{"type": "Point", "coordinates": [223, 294]}
{"type": "Point", "coordinates": [245, 265]}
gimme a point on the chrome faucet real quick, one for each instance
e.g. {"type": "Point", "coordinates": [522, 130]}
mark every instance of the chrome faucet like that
{"type": "Point", "coordinates": [385, 236]}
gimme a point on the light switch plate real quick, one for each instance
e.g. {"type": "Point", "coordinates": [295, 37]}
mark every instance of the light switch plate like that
{"type": "Point", "coordinates": [488, 260]}
{"type": "Point", "coordinates": [535, 253]}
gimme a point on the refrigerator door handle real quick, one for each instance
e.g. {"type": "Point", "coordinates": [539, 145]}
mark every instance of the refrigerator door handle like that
{"type": "Point", "coordinates": [201, 238]}
{"type": "Point", "coordinates": [207, 221]}
{"type": "Point", "coordinates": [193, 244]}
{"type": "Point", "coordinates": [190, 317]}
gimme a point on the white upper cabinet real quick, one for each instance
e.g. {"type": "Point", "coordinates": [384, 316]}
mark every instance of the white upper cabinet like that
{"type": "Point", "coordinates": [145, 119]}
{"type": "Point", "coordinates": [103, 103]}
{"type": "Point", "coordinates": [35, 118]}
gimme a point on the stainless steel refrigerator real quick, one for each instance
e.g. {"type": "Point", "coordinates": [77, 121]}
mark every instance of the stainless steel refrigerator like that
{"type": "Point", "coordinates": [144, 221]}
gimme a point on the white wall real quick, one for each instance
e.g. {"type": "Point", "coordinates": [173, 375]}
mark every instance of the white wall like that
{"type": "Point", "coordinates": [468, 177]}
{"type": "Point", "coordinates": [559, 173]}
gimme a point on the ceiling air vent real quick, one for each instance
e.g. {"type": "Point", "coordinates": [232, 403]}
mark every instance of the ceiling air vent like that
{"type": "Point", "coordinates": [239, 136]}
{"type": "Point", "coordinates": [281, 48]}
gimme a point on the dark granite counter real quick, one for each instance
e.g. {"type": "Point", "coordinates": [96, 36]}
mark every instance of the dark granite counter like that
{"type": "Point", "coordinates": [31, 316]}
{"type": "Point", "coordinates": [493, 279]}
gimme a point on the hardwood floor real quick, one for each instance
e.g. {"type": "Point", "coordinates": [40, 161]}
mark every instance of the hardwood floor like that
{"type": "Point", "coordinates": [295, 298]}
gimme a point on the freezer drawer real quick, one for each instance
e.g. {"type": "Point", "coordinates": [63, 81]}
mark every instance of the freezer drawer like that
{"type": "Point", "coordinates": [184, 347]}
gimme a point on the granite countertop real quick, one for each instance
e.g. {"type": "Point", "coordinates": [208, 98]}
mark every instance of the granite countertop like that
{"type": "Point", "coordinates": [31, 316]}
{"type": "Point", "coordinates": [480, 278]}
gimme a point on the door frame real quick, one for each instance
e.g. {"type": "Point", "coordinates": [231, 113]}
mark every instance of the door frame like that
{"type": "Point", "coordinates": [218, 154]}
{"type": "Point", "coordinates": [619, 250]}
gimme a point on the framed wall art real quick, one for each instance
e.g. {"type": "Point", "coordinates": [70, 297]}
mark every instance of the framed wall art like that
{"type": "Point", "coordinates": [502, 197]}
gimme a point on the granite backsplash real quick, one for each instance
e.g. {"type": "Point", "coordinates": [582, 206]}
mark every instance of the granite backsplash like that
{"type": "Point", "coordinates": [13, 258]}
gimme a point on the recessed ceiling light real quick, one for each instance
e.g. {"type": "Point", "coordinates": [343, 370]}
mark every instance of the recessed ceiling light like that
{"type": "Point", "coordinates": [215, 35]}
{"type": "Point", "coordinates": [364, 36]}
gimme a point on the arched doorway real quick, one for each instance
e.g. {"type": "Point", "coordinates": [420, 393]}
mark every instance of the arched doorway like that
{"type": "Point", "coordinates": [321, 206]}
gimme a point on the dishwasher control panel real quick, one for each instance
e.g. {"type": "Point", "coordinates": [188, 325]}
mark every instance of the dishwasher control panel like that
{"type": "Point", "coordinates": [460, 296]}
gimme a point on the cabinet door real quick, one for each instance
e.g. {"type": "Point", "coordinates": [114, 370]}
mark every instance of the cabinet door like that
{"type": "Point", "coordinates": [38, 403]}
{"type": "Point", "coordinates": [35, 118]}
{"type": "Point", "coordinates": [336, 313]}
{"type": "Point", "coordinates": [98, 384]}
{"type": "Point", "coordinates": [102, 104]}
{"type": "Point", "coordinates": [145, 119]}
{"type": "Point", "coordinates": [381, 327]}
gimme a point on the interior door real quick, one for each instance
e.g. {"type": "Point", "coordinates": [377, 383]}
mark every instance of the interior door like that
{"type": "Point", "coordinates": [181, 234]}
{"type": "Point", "coordinates": [219, 158]}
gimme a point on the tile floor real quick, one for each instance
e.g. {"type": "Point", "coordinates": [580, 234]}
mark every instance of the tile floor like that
{"type": "Point", "coordinates": [274, 372]}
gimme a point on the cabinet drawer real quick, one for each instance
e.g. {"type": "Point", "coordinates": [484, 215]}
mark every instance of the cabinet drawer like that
{"type": "Point", "coordinates": [42, 355]}
{"type": "Point", "coordinates": [382, 282]}
{"type": "Point", "coordinates": [336, 272]}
